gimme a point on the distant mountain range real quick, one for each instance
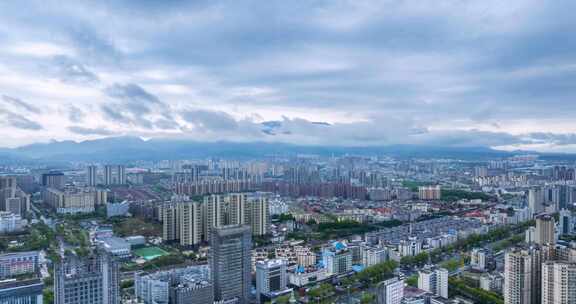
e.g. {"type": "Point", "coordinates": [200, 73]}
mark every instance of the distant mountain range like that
{"type": "Point", "coordinates": [124, 149]}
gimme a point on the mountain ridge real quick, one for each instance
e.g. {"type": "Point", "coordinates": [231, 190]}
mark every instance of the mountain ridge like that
{"type": "Point", "coordinates": [127, 148]}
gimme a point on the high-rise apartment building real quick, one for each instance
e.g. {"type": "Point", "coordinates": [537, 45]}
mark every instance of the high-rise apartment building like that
{"type": "Point", "coordinates": [522, 276]}
{"type": "Point", "coordinates": [429, 192]}
{"type": "Point", "coordinates": [434, 281]}
{"type": "Point", "coordinates": [114, 175]}
{"type": "Point", "coordinates": [12, 198]}
{"type": "Point", "coordinates": [168, 214]}
{"type": "Point", "coordinates": [545, 230]}
{"type": "Point", "coordinates": [225, 209]}
{"type": "Point", "coordinates": [236, 209]}
{"type": "Point", "coordinates": [536, 200]}
{"type": "Point", "coordinates": [258, 213]}
{"type": "Point", "coordinates": [190, 223]}
{"type": "Point", "coordinates": [53, 179]}
{"type": "Point", "coordinates": [558, 282]}
{"type": "Point", "coordinates": [91, 176]}
{"type": "Point", "coordinates": [90, 280]}
{"type": "Point", "coordinates": [390, 291]}
{"type": "Point", "coordinates": [271, 279]}
{"type": "Point", "coordinates": [230, 262]}
{"type": "Point", "coordinates": [566, 222]}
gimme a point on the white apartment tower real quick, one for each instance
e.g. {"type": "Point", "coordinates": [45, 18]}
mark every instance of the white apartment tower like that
{"type": "Point", "coordinates": [522, 276]}
{"type": "Point", "coordinates": [434, 281]}
{"type": "Point", "coordinates": [558, 282]}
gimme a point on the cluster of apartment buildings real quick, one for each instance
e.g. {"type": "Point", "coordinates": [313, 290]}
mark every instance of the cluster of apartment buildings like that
{"type": "Point", "coordinates": [190, 222]}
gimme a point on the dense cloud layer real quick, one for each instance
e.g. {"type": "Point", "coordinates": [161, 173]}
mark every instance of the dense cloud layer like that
{"type": "Point", "coordinates": [459, 73]}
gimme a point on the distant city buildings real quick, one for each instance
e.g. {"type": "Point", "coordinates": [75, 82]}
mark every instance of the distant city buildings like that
{"type": "Point", "coordinates": [91, 176]}
{"type": "Point", "coordinates": [74, 200]}
{"type": "Point", "coordinates": [429, 193]}
{"type": "Point", "coordinates": [114, 175]}
{"type": "Point", "coordinates": [53, 179]}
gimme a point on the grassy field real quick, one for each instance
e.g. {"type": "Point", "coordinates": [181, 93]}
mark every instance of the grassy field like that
{"type": "Point", "coordinates": [135, 226]}
{"type": "Point", "coordinates": [150, 253]}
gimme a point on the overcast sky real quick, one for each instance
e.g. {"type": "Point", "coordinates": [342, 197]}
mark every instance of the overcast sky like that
{"type": "Point", "coordinates": [456, 73]}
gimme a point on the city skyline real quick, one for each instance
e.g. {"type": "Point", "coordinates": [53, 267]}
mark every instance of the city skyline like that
{"type": "Point", "coordinates": [345, 73]}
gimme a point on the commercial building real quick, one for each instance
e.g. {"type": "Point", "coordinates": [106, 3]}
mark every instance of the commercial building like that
{"type": "Point", "coordinates": [522, 276]}
{"type": "Point", "coordinates": [271, 279]}
{"type": "Point", "coordinates": [189, 285]}
{"type": "Point", "coordinates": [115, 246]}
{"type": "Point", "coordinates": [337, 259]}
{"type": "Point", "coordinates": [390, 291]}
{"type": "Point", "coordinates": [21, 291]}
{"type": "Point", "coordinates": [230, 262]}
{"type": "Point", "coordinates": [18, 263]}
{"type": "Point", "coordinates": [88, 280]}
{"type": "Point", "coordinates": [117, 209]}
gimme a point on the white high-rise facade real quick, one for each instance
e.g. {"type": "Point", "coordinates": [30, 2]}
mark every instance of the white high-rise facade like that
{"type": "Point", "coordinates": [558, 282]}
{"type": "Point", "coordinates": [545, 230]}
{"type": "Point", "coordinates": [434, 281]}
{"type": "Point", "coordinates": [390, 291]}
{"type": "Point", "coordinates": [522, 276]}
